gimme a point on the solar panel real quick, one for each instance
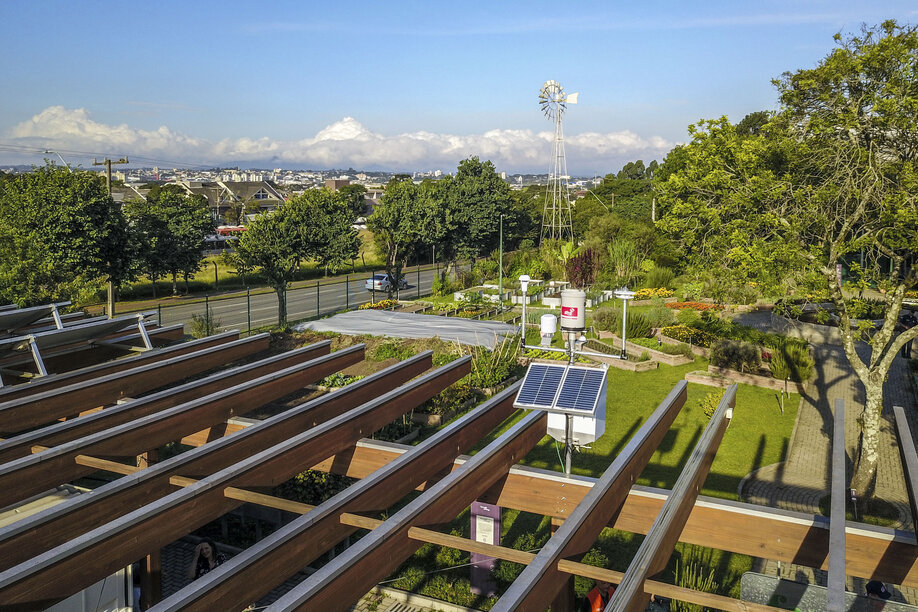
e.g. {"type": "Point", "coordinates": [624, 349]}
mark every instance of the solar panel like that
{"type": "Point", "coordinates": [581, 389]}
{"type": "Point", "coordinates": [540, 385]}
{"type": "Point", "coordinates": [562, 388]}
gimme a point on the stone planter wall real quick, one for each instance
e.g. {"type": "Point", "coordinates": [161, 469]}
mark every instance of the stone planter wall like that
{"type": "Point", "coordinates": [656, 355]}
{"type": "Point", "coordinates": [637, 349]}
{"type": "Point", "coordinates": [723, 377]}
{"type": "Point", "coordinates": [698, 350]}
{"type": "Point", "coordinates": [435, 420]}
{"type": "Point", "coordinates": [530, 297]}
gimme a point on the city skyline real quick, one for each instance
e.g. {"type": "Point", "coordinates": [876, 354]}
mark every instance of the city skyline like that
{"type": "Point", "coordinates": [396, 86]}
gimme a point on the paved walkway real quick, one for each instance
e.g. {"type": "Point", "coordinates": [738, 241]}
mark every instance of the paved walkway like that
{"type": "Point", "coordinates": [803, 479]}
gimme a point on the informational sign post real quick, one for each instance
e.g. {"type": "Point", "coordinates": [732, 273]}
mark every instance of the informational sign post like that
{"type": "Point", "coordinates": [485, 529]}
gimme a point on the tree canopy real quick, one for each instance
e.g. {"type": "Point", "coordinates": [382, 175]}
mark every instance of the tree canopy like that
{"type": "Point", "coordinates": [61, 236]}
{"type": "Point", "coordinates": [784, 209]}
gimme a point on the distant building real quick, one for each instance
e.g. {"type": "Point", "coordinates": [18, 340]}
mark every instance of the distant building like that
{"type": "Point", "coordinates": [221, 196]}
{"type": "Point", "coordinates": [336, 184]}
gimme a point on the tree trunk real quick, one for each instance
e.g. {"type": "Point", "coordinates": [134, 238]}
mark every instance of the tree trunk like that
{"type": "Point", "coordinates": [865, 465]}
{"type": "Point", "coordinates": [281, 291]}
{"type": "Point", "coordinates": [174, 283]}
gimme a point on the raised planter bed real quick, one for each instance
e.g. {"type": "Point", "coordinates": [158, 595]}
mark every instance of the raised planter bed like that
{"type": "Point", "coordinates": [517, 298]}
{"type": "Point", "coordinates": [490, 391]}
{"type": "Point", "coordinates": [435, 420]}
{"type": "Point", "coordinates": [408, 437]}
{"type": "Point", "coordinates": [724, 377]}
{"type": "Point", "coordinates": [637, 349]}
{"type": "Point", "coordinates": [698, 350]}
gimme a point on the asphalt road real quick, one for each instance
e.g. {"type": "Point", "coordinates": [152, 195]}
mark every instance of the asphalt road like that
{"type": "Point", "coordinates": [331, 295]}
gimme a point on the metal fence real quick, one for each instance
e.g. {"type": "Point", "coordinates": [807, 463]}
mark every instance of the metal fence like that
{"type": "Point", "coordinates": [257, 308]}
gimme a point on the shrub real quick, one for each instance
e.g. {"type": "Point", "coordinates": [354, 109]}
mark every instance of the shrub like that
{"type": "Point", "coordinates": [593, 557]}
{"type": "Point", "coordinates": [792, 362]}
{"type": "Point", "coordinates": [506, 572]}
{"type": "Point", "coordinates": [709, 402]}
{"type": "Point", "coordinates": [689, 317]}
{"type": "Point", "coordinates": [669, 349]}
{"type": "Point", "coordinates": [645, 356]}
{"type": "Point", "coordinates": [684, 333]}
{"type": "Point", "coordinates": [467, 278]}
{"type": "Point", "coordinates": [736, 355]}
{"type": "Point", "coordinates": [659, 277]}
{"type": "Point", "coordinates": [610, 319]}
{"type": "Point", "coordinates": [581, 269]}
{"type": "Point", "coordinates": [204, 325]}
{"type": "Point", "coordinates": [490, 367]}
{"type": "Point", "coordinates": [441, 285]}
{"type": "Point", "coordinates": [470, 300]}
{"type": "Point", "coordinates": [658, 315]}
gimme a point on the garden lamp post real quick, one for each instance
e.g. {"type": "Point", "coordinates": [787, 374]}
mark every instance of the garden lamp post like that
{"type": "Point", "coordinates": [524, 285]}
{"type": "Point", "coordinates": [624, 295]}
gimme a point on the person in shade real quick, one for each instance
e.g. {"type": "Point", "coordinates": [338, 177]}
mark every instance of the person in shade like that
{"type": "Point", "coordinates": [206, 558]}
{"type": "Point", "coordinates": [598, 597]}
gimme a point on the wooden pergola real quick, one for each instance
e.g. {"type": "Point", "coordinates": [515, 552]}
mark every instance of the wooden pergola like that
{"type": "Point", "coordinates": [55, 433]}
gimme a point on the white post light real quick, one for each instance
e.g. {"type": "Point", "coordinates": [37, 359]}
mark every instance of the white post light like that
{"type": "Point", "coordinates": [524, 285]}
{"type": "Point", "coordinates": [624, 295]}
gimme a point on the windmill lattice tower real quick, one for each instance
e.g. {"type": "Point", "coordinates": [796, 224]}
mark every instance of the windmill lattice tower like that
{"type": "Point", "coordinates": [556, 216]}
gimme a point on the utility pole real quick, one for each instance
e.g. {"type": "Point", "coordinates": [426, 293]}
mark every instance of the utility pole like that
{"type": "Point", "coordinates": [108, 185]}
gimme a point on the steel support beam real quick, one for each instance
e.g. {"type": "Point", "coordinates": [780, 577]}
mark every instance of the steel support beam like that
{"type": "Point", "coordinates": [68, 521]}
{"type": "Point", "coordinates": [54, 381]}
{"type": "Point", "coordinates": [81, 562]}
{"type": "Point", "coordinates": [27, 476]}
{"type": "Point", "coordinates": [835, 593]}
{"type": "Point", "coordinates": [46, 407]}
{"type": "Point", "coordinates": [377, 554]}
{"type": "Point", "coordinates": [251, 574]}
{"type": "Point", "coordinates": [909, 460]}
{"type": "Point", "coordinates": [59, 433]}
{"type": "Point", "coordinates": [540, 582]}
{"type": "Point", "coordinates": [657, 547]}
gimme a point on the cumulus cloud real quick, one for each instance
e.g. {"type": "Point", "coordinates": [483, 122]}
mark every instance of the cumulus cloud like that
{"type": "Point", "coordinates": [344, 143]}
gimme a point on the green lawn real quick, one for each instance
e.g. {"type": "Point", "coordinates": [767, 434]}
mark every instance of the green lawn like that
{"type": "Point", "coordinates": [758, 434]}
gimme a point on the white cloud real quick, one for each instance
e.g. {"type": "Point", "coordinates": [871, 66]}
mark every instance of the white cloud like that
{"type": "Point", "coordinates": [344, 143]}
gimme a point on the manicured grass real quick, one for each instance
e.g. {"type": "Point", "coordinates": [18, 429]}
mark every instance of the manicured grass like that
{"type": "Point", "coordinates": [757, 436]}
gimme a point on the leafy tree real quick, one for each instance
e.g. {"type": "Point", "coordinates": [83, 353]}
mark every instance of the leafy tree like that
{"type": "Point", "coordinates": [753, 123]}
{"type": "Point", "coordinates": [833, 175]}
{"type": "Point", "coordinates": [171, 226]}
{"type": "Point", "coordinates": [60, 236]}
{"type": "Point", "coordinates": [406, 216]}
{"type": "Point", "coordinates": [475, 200]}
{"type": "Point", "coordinates": [353, 196]}
{"type": "Point", "coordinates": [328, 214]}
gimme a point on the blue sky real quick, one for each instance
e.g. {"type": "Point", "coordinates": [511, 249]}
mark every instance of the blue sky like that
{"type": "Point", "coordinates": [394, 85]}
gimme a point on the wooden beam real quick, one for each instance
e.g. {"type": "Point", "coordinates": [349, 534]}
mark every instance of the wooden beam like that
{"type": "Point", "coordinates": [909, 460]}
{"type": "Point", "coordinates": [835, 593]}
{"type": "Point", "coordinates": [30, 475]}
{"type": "Point", "coordinates": [66, 431]}
{"type": "Point", "coordinates": [259, 568]}
{"type": "Point", "coordinates": [42, 408]}
{"type": "Point", "coordinates": [377, 554]}
{"type": "Point", "coordinates": [657, 547]}
{"type": "Point", "coordinates": [540, 582]}
{"type": "Point", "coordinates": [43, 531]}
{"type": "Point", "coordinates": [879, 553]}
{"type": "Point", "coordinates": [88, 558]}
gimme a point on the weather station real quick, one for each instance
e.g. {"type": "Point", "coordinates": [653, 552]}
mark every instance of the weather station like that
{"type": "Point", "coordinates": [574, 396]}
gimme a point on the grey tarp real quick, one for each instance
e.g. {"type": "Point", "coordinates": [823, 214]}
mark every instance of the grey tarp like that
{"type": "Point", "coordinates": [407, 325]}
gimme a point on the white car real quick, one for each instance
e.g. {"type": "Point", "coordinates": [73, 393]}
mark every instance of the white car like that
{"type": "Point", "coordinates": [381, 282]}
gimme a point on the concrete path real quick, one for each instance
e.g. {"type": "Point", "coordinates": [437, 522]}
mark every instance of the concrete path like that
{"type": "Point", "coordinates": [803, 479]}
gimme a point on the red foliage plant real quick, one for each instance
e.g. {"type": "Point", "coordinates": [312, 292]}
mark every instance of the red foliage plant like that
{"type": "Point", "coordinates": [581, 269]}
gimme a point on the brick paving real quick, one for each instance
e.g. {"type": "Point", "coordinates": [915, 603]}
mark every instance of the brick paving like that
{"type": "Point", "coordinates": [803, 478]}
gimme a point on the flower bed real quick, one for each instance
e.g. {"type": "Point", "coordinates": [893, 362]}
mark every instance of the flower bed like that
{"type": "Point", "coordinates": [380, 305]}
{"type": "Point", "coordinates": [694, 306]}
{"type": "Point", "coordinates": [689, 335]}
{"type": "Point", "coordinates": [649, 294]}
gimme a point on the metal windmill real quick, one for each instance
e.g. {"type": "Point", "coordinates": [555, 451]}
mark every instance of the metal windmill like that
{"type": "Point", "coordinates": [556, 217]}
